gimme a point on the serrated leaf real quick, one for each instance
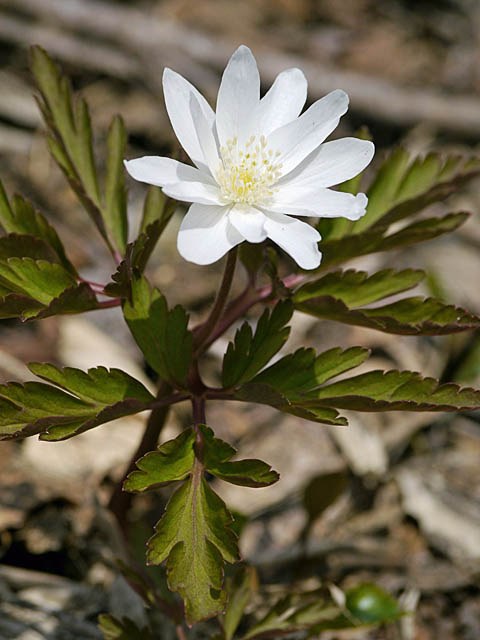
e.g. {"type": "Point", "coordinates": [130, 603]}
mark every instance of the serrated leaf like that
{"type": "Point", "coordinates": [247, 473]}
{"type": "Point", "coordinates": [239, 590]}
{"type": "Point", "coordinates": [15, 245]}
{"type": "Point", "coordinates": [355, 288]}
{"type": "Point", "coordinates": [70, 142]}
{"type": "Point", "coordinates": [173, 461]}
{"type": "Point", "coordinates": [161, 334]}
{"type": "Point", "coordinates": [377, 239]}
{"type": "Point", "coordinates": [93, 398]}
{"type": "Point", "coordinates": [381, 194]}
{"type": "Point", "coordinates": [33, 289]}
{"type": "Point", "coordinates": [124, 629]}
{"type": "Point", "coordinates": [76, 299]}
{"type": "Point", "coordinates": [410, 316]}
{"type": "Point", "coordinates": [136, 257]}
{"type": "Point", "coordinates": [304, 370]}
{"type": "Point", "coordinates": [404, 186]}
{"type": "Point", "coordinates": [195, 538]}
{"type": "Point", "coordinates": [265, 394]}
{"type": "Point", "coordinates": [283, 384]}
{"type": "Point", "coordinates": [43, 281]}
{"type": "Point", "coordinates": [115, 190]}
{"type": "Point", "coordinates": [19, 217]}
{"type": "Point", "coordinates": [71, 127]}
{"type": "Point", "coordinates": [393, 391]}
{"type": "Point", "coordinates": [15, 305]}
{"type": "Point", "coordinates": [250, 351]}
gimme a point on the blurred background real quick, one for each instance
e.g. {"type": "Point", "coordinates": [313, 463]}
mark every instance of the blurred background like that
{"type": "Point", "coordinates": [395, 497]}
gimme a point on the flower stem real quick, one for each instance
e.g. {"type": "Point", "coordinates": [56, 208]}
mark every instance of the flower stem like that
{"type": "Point", "coordinates": [107, 304]}
{"type": "Point", "coordinates": [120, 501]}
{"type": "Point", "coordinates": [208, 327]}
{"type": "Point", "coordinates": [240, 305]}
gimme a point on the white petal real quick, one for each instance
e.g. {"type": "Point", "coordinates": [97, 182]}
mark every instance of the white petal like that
{"type": "Point", "coordinates": [200, 192]}
{"type": "Point", "coordinates": [297, 238]}
{"type": "Point", "coordinates": [283, 102]}
{"type": "Point", "coordinates": [297, 139]}
{"type": "Point", "coordinates": [333, 163]}
{"type": "Point", "coordinates": [238, 96]}
{"type": "Point", "coordinates": [249, 222]}
{"type": "Point", "coordinates": [206, 234]}
{"type": "Point", "coordinates": [307, 200]}
{"type": "Point", "coordinates": [161, 171]}
{"type": "Point", "coordinates": [178, 92]}
{"type": "Point", "coordinates": [206, 136]}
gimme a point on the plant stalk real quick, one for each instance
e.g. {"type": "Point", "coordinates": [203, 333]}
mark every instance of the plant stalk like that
{"type": "Point", "coordinates": [208, 327]}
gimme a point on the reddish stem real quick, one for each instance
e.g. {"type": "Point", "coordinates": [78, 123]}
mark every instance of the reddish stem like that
{"type": "Point", "coordinates": [240, 305]}
{"type": "Point", "coordinates": [107, 304]}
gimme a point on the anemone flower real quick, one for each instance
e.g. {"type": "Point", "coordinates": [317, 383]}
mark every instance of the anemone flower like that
{"type": "Point", "coordinates": [257, 163]}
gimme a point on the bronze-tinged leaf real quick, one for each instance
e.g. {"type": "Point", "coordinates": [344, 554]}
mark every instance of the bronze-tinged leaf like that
{"type": "Point", "coordinates": [90, 399]}
{"type": "Point", "coordinates": [410, 316]}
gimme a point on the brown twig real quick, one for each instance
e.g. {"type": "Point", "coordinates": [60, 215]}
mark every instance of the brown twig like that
{"type": "Point", "coordinates": [120, 500]}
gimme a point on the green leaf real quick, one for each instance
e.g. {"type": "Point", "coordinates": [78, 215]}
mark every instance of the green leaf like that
{"type": "Point", "coordinates": [247, 473]}
{"type": "Point", "coordinates": [15, 305]}
{"type": "Point", "coordinates": [71, 127]}
{"type": "Point", "coordinates": [195, 538]}
{"type": "Point", "coordinates": [250, 351]}
{"type": "Point", "coordinates": [404, 187]}
{"type": "Point", "coordinates": [377, 239]}
{"type": "Point", "coordinates": [239, 590]}
{"type": "Point", "coordinates": [293, 614]}
{"type": "Point", "coordinates": [172, 461]}
{"type": "Point", "coordinates": [115, 191]}
{"type": "Point", "coordinates": [355, 288]}
{"type": "Point", "coordinates": [19, 217]}
{"type": "Point", "coordinates": [265, 394]}
{"type": "Point", "coordinates": [32, 288]}
{"type": "Point", "coordinates": [161, 334]}
{"type": "Point", "coordinates": [14, 245]}
{"type": "Point", "coordinates": [332, 228]}
{"type": "Point", "coordinates": [410, 316]}
{"type": "Point", "coordinates": [393, 391]}
{"type": "Point", "coordinates": [124, 629]}
{"type": "Point", "coordinates": [76, 299]}
{"type": "Point", "coordinates": [133, 265]}
{"type": "Point", "coordinates": [92, 399]}
{"type": "Point", "coordinates": [283, 384]}
{"type": "Point", "coordinates": [305, 370]}
{"type": "Point", "coordinates": [43, 281]}
{"type": "Point", "coordinates": [384, 188]}
{"type": "Point", "coordinates": [157, 208]}
{"type": "Point", "coordinates": [70, 142]}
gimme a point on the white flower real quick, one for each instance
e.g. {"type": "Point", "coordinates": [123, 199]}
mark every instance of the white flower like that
{"type": "Point", "coordinates": [257, 162]}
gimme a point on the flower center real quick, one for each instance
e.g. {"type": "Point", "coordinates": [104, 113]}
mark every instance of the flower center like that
{"type": "Point", "coordinates": [248, 175]}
